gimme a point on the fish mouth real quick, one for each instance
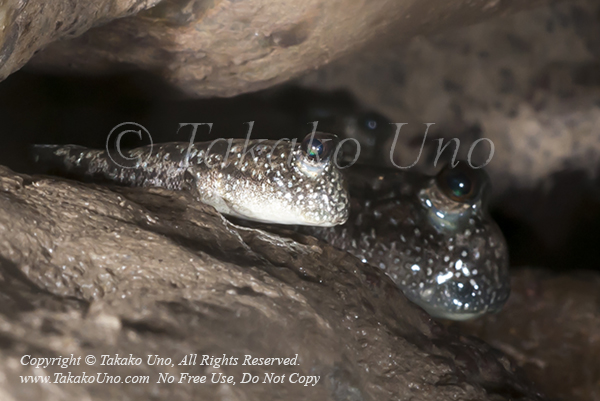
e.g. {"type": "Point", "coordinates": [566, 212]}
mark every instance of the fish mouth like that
{"type": "Point", "coordinates": [462, 300]}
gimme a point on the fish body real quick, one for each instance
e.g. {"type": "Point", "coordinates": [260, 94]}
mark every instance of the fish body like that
{"type": "Point", "coordinates": [277, 182]}
{"type": "Point", "coordinates": [432, 236]}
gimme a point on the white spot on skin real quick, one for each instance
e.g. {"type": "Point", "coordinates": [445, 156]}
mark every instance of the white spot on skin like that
{"type": "Point", "coordinates": [442, 278]}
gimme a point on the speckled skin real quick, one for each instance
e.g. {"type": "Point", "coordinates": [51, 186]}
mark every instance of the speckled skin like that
{"type": "Point", "coordinates": [454, 268]}
{"type": "Point", "coordinates": [265, 181]}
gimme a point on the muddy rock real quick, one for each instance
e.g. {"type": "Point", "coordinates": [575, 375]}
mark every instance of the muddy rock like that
{"type": "Point", "coordinates": [551, 327]}
{"type": "Point", "coordinates": [528, 82]}
{"type": "Point", "coordinates": [28, 26]}
{"type": "Point", "coordinates": [216, 47]}
{"type": "Point", "coordinates": [90, 270]}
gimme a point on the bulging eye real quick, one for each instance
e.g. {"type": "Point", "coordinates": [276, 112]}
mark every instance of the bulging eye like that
{"type": "Point", "coordinates": [318, 148]}
{"type": "Point", "coordinates": [314, 149]}
{"type": "Point", "coordinates": [462, 183]}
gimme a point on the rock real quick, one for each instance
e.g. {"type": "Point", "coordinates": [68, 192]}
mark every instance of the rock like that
{"type": "Point", "coordinates": [529, 82]}
{"type": "Point", "coordinates": [90, 270]}
{"type": "Point", "coordinates": [551, 327]}
{"type": "Point", "coordinates": [218, 47]}
{"type": "Point", "coordinates": [28, 26]}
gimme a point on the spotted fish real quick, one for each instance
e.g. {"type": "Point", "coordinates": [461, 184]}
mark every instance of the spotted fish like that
{"type": "Point", "coordinates": [278, 182]}
{"type": "Point", "coordinates": [432, 236]}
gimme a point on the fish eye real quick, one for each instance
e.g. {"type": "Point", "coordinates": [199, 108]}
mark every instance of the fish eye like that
{"type": "Point", "coordinates": [370, 124]}
{"type": "Point", "coordinates": [314, 149]}
{"type": "Point", "coordinates": [461, 183]}
{"type": "Point", "coordinates": [372, 121]}
{"type": "Point", "coordinates": [317, 148]}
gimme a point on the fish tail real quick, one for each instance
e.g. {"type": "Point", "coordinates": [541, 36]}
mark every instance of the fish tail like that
{"type": "Point", "coordinates": [66, 157]}
{"type": "Point", "coordinates": [72, 161]}
{"type": "Point", "coordinates": [100, 166]}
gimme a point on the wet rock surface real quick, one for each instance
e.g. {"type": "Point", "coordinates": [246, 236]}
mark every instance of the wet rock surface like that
{"type": "Point", "coordinates": [529, 82]}
{"type": "Point", "coordinates": [551, 328]}
{"type": "Point", "coordinates": [28, 26]}
{"type": "Point", "coordinates": [95, 270]}
{"type": "Point", "coordinates": [224, 47]}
